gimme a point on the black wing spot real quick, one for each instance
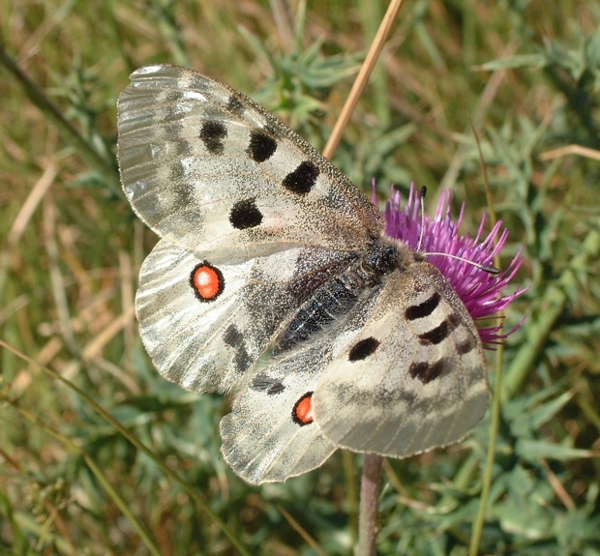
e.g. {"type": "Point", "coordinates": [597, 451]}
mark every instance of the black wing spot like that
{"type": "Point", "coordinates": [242, 360]}
{"type": "Point", "coordinates": [466, 346]}
{"type": "Point", "coordinates": [212, 134]}
{"type": "Point", "coordinates": [235, 106]}
{"type": "Point", "coordinates": [233, 337]}
{"type": "Point", "coordinates": [436, 335]}
{"type": "Point", "coordinates": [261, 147]}
{"type": "Point", "coordinates": [245, 214]}
{"type": "Point", "coordinates": [361, 350]}
{"type": "Point", "coordinates": [426, 372]}
{"type": "Point", "coordinates": [302, 179]}
{"type": "Point", "coordinates": [263, 383]}
{"type": "Point", "coordinates": [423, 309]}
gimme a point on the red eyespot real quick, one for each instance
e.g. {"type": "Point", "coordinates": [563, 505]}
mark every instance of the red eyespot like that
{"type": "Point", "coordinates": [302, 414]}
{"type": "Point", "coordinates": [207, 281]}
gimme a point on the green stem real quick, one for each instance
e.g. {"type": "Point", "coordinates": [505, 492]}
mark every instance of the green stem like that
{"type": "Point", "coordinates": [491, 456]}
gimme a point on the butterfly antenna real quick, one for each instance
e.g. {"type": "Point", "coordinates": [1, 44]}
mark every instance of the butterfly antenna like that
{"type": "Point", "coordinates": [422, 231]}
{"type": "Point", "coordinates": [485, 268]}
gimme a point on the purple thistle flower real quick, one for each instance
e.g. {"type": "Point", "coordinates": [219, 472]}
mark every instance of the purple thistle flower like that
{"type": "Point", "coordinates": [479, 290]}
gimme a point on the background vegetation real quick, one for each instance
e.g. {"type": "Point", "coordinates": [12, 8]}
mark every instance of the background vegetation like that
{"type": "Point", "coordinates": [526, 73]}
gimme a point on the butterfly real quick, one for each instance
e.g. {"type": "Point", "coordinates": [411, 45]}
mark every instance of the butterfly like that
{"type": "Point", "coordinates": [273, 281]}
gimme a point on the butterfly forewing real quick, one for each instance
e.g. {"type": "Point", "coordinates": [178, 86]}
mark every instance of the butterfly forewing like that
{"type": "Point", "coordinates": [209, 170]}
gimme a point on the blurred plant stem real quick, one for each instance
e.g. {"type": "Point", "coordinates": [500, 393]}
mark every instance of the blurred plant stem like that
{"type": "Point", "coordinates": [369, 503]}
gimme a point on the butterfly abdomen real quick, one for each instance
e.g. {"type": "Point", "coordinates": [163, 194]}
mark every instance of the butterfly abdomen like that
{"type": "Point", "coordinates": [331, 301]}
{"type": "Point", "coordinates": [339, 295]}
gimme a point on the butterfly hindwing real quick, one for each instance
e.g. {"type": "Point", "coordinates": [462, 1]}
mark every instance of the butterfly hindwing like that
{"type": "Point", "coordinates": [400, 373]}
{"type": "Point", "coordinates": [211, 171]}
{"type": "Point", "coordinates": [269, 436]}
{"type": "Point", "coordinates": [413, 379]}
{"type": "Point", "coordinates": [205, 325]}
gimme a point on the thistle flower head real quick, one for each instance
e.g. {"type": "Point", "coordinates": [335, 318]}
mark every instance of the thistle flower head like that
{"type": "Point", "coordinates": [479, 290]}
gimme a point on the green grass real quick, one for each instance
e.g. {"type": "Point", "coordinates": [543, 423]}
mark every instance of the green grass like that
{"type": "Point", "coordinates": [526, 74]}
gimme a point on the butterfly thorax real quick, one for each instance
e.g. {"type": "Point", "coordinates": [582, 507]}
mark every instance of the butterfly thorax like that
{"type": "Point", "coordinates": [384, 256]}
{"type": "Point", "coordinates": [338, 296]}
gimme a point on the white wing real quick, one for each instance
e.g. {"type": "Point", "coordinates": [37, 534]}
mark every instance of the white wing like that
{"type": "Point", "coordinates": [261, 440]}
{"type": "Point", "coordinates": [413, 379]}
{"type": "Point", "coordinates": [254, 221]}
{"type": "Point", "coordinates": [265, 437]}
{"type": "Point", "coordinates": [212, 344]}
{"type": "Point", "coordinates": [211, 171]}
{"type": "Point", "coordinates": [403, 372]}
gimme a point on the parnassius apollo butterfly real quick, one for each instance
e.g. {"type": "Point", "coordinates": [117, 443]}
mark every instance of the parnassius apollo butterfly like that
{"type": "Point", "coordinates": [273, 281]}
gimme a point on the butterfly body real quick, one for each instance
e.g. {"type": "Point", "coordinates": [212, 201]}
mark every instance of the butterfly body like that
{"type": "Point", "coordinates": [339, 294]}
{"type": "Point", "coordinates": [273, 280]}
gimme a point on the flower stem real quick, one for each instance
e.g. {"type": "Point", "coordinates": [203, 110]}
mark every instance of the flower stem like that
{"type": "Point", "coordinates": [369, 503]}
